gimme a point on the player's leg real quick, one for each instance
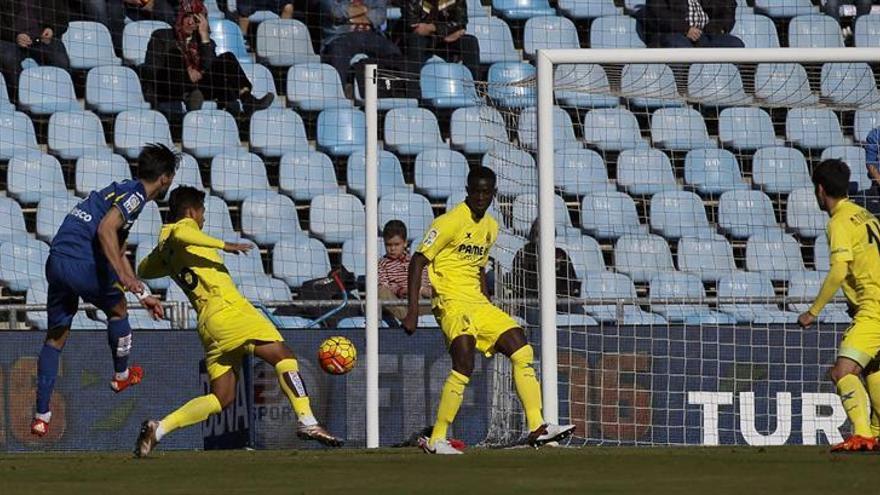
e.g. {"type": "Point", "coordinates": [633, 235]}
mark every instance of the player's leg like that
{"type": "Point", "coordinates": [860, 344]}
{"type": "Point", "coordinates": [119, 339]}
{"type": "Point", "coordinates": [462, 350]}
{"type": "Point", "coordinates": [872, 383]}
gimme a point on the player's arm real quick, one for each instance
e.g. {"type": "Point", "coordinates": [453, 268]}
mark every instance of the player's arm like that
{"type": "Point", "coordinates": [840, 246]}
{"type": "Point", "coordinates": [830, 286]}
{"type": "Point", "coordinates": [153, 266]}
{"type": "Point", "coordinates": [108, 237]}
{"type": "Point", "coordinates": [413, 290]}
{"type": "Point", "coordinates": [191, 236]}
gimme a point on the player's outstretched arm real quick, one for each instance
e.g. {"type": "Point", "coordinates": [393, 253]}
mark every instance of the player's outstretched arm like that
{"type": "Point", "coordinates": [413, 289]}
{"type": "Point", "coordinates": [830, 286]}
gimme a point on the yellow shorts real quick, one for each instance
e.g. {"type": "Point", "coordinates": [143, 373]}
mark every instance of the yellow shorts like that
{"type": "Point", "coordinates": [861, 341]}
{"type": "Point", "coordinates": [229, 334]}
{"type": "Point", "coordinates": [485, 321]}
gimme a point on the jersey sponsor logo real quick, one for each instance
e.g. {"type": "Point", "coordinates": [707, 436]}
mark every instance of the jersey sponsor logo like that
{"type": "Point", "coordinates": [471, 249]}
{"type": "Point", "coordinates": [132, 203]}
{"type": "Point", "coordinates": [82, 215]}
{"type": "Point", "coordinates": [430, 237]}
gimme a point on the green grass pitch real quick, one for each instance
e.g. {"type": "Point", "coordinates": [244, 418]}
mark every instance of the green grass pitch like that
{"type": "Point", "coordinates": [612, 470]}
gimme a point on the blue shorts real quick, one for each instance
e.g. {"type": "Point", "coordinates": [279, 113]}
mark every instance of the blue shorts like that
{"type": "Point", "coordinates": [70, 279]}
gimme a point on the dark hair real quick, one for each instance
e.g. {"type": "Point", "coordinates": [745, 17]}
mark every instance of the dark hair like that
{"type": "Point", "coordinates": [156, 160]}
{"type": "Point", "coordinates": [833, 176]}
{"type": "Point", "coordinates": [480, 172]}
{"type": "Point", "coordinates": [182, 198]}
{"type": "Point", "coordinates": [394, 228]}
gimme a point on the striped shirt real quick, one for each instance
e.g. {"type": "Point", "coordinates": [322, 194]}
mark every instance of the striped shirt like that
{"type": "Point", "coordinates": [697, 17]}
{"type": "Point", "coordinates": [393, 274]}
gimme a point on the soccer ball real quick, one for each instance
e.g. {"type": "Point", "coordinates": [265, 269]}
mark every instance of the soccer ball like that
{"type": "Point", "coordinates": [337, 355]}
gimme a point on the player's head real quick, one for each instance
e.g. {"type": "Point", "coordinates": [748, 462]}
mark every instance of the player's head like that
{"type": "Point", "coordinates": [480, 190]}
{"type": "Point", "coordinates": [157, 165]}
{"type": "Point", "coordinates": [830, 182]}
{"type": "Point", "coordinates": [187, 202]}
{"type": "Point", "coordinates": [394, 236]}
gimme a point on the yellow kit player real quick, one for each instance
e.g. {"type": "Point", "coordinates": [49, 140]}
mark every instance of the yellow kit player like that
{"type": "Point", "coordinates": [228, 325]}
{"type": "Point", "coordinates": [456, 249]}
{"type": "Point", "coordinates": [854, 242]}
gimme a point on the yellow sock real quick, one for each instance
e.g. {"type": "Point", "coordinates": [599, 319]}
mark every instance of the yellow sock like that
{"type": "Point", "coordinates": [855, 400]}
{"type": "Point", "coordinates": [192, 412]}
{"type": "Point", "coordinates": [450, 401]}
{"type": "Point", "coordinates": [527, 387]}
{"type": "Point", "coordinates": [872, 382]}
{"type": "Point", "coordinates": [295, 389]}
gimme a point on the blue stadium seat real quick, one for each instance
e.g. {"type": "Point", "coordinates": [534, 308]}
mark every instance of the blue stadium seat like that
{"type": "Point", "coordinates": [649, 86]}
{"type": "Point", "coordinates": [390, 178]}
{"type": "Point", "coordinates": [110, 89]}
{"type": "Point", "coordinates": [75, 134]}
{"type": "Point", "coordinates": [783, 85]}
{"type": "Point", "coordinates": [135, 38]}
{"type": "Point", "coordinates": [525, 212]}
{"type": "Point", "coordinates": [506, 246]}
{"type": "Point", "coordinates": [680, 129]}
{"type": "Point", "coordinates": [446, 85]}
{"type": "Point", "coordinates": [12, 225]}
{"type": "Point", "coordinates": [22, 263]}
{"type": "Point", "coordinates": [285, 42]}
{"type": "Point", "coordinates": [813, 128]}
{"type": "Point", "coordinates": [263, 82]}
{"type": "Point", "coordinates": [850, 84]}
{"type": "Point", "coordinates": [713, 171]}
{"type": "Point", "coordinates": [414, 210]}
{"type": "Point", "coordinates": [613, 129]}
{"type": "Point", "coordinates": [814, 31]}
{"type": "Point", "coordinates": [135, 128]}
{"type": "Point", "coordinates": [315, 87]}
{"type": "Point", "coordinates": [141, 252]}
{"type": "Point", "coordinates": [354, 252]}
{"type": "Point", "coordinates": [751, 285]}
{"type": "Point", "coordinates": [5, 104]}
{"type": "Point", "coordinates": [549, 32]}
{"type": "Point", "coordinates": [684, 286]}
{"type": "Point", "coordinates": [244, 267]}
{"type": "Point", "coordinates": [51, 211]}
{"type": "Point", "coordinates": [821, 254]}
{"type": "Point", "coordinates": [676, 214]}
{"type": "Point", "coordinates": [642, 256]}
{"type": "Point", "coordinates": [16, 134]}
{"type": "Point", "coordinates": [779, 170]}
{"type": "Point", "coordinates": [475, 130]}
{"type": "Point", "coordinates": [292, 322]}
{"type": "Point", "coordinates": [716, 84]}
{"type": "Point", "coordinates": [580, 171]}
{"type": "Point", "coordinates": [522, 9]}
{"type": "Point", "coordinates": [588, 9]}
{"type": "Point", "coordinates": [509, 84]}
{"type": "Point", "coordinates": [238, 175]}
{"type": "Point", "coordinates": [305, 174]}
{"type": "Point", "coordinates": [341, 131]}
{"type": "Point", "coordinates": [609, 215]}
{"type": "Point", "coordinates": [583, 86]}
{"type": "Point", "coordinates": [333, 218]}
{"type": "Point", "coordinates": [264, 290]}
{"type": "Point", "coordinates": [864, 122]}
{"type": "Point", "coordinates": [476, 10]}
{"type": "Point", "coordinates": [31, 175]}
{"type": "Point", "coordinates": [708, 258]}
{"type": "Point", "coordinates": [609, 288]}
{"type": "Point", "coordinates": [584, 252]}
{"type": "Point", "coordinates": [409, 131]}
{"type": "Point", "coordinates": [615, 31]}
{"type": "Point", "coordinates": [746, 129]}
{"type": "Point", "coordinates": [516, 171]}
{"type": "Point", "coordinates": [867, 32]}
{"type": "Point", "coordinates": [440, 172]}
{"type": "Point", "coordinates": [276, 131]}
{"type": "Point", "coordinates": [44, 90]}
{"type": "Point", "coordinates": [855, 158]}
{"type": "Point", "coordinates": [218, 222]}
{"type": "Point", "coordinates": [207, 133]}
{"type": "Point", "coordinates": [493, 35]}
{"type": "Point", "coordinates": [805, 286]}
{"type": "Point", "coordinates": [756, 31]}
{"type": "Point", "coordinates": [88, 45]}
{"type": "Point", "coordinates": [359, 322]}
{"type": "Point", "coordinates": [187, 173]}
{"type": "Point", "coordinates": [38, 294]}
{"type": "Point", "coordinates": [645, 171]}
{"type": "Point", "coordinates": [269, 217]}
{"type": "Point", "coordinates": [146, 227]}
{"type": "Point", "coordinates": [300, 259]}
{"type": "Point", "coordinates": [228, 39]}
{"type": "Point", "coordinates": [775, 255]}
{"type": "Point", "coordinates": [563, 129]}
{"type": "Point", "coordinates": [743, 214]}
{"type": "Point", "coordinates": [802, 213]}
{"type": "Point", "coordinates": [785, 8]}
{"type": "Point", "coordinates": [214, 11]}
{"type": "Point", "coordinates": [96, 171]}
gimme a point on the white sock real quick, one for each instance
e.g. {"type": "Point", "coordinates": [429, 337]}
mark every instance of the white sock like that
{"type": "Point", "coordinates": [46, 416]}
{"type": "Point", "coordinates": [122, 376]}
{"type": "Point", "coordinates": [308, 421]}
{"type": "Point", "coordinates": [160, 432]}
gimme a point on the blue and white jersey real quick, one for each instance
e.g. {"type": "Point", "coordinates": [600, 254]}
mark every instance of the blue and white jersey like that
{"type": "Point", "coordinates": [78, 235]}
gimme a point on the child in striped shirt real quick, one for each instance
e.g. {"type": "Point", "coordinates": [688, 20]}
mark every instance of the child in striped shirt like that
{"type": "Point", "coordinates": [393, 269]}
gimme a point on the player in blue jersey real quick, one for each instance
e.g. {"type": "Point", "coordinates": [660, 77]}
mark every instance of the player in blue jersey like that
{"type": "Point", "coordinates": [87, 260]}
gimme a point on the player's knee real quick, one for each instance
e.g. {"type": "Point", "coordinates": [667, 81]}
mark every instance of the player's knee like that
{"type": "Point", "coordinates": [524, 356]}
{"type": "Point", "coordinates": [225, 398]}
{"type": "Point", "coordinates": [843, 369]}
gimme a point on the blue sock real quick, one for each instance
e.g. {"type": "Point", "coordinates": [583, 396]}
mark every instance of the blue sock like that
{"type": "Point", "coordinates": [119, 338]}
{"type": "Point", "coordinates": [47, 370]}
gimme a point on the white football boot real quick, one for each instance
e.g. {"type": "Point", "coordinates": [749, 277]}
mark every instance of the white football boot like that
{"type": "Point", "coordinates": [440, 447]}
{"type": "Point", "coordinates": [548, 432]}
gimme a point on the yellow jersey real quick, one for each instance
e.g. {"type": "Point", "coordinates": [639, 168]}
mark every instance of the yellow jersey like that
{"type": "Point", "coordinates": [854, 239]}
{"type": "Point", "coordinates": [458, 248]}
{"type": "Point", "coordinates": [190, 258]}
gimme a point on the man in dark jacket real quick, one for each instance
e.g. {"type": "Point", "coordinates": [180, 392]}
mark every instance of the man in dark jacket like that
{"type": "Point", "coordinates": [437, 27]}
{"type": "Point", "coordinates": [691, 23]}
{"type": "Point", "coordinates": [38, 26]}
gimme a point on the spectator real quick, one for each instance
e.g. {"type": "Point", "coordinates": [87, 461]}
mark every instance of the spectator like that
{"type": "Point", "coordinates": [690, 23]}
{"type": "Point", "coordinates": [872, 159]}
{"type": "Point", "coordinates": [525, 279]}
{"type": "Point", "coordinates": [832, 7]}
{"type": "Point", "coordinates": [37, 26]}
{"type": "Point", "coordinates": [352, 27]}
{"type": "Point", "coordinates": [393, 270]}
{"type": "Point", "coordinates": [181, 65]}
{"type": "Point", "coordinates": [247, 8]}
{"type": "Point", "coordinates": [437, 27]}
{"type": "Point", "coordinates": [112, 13]}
